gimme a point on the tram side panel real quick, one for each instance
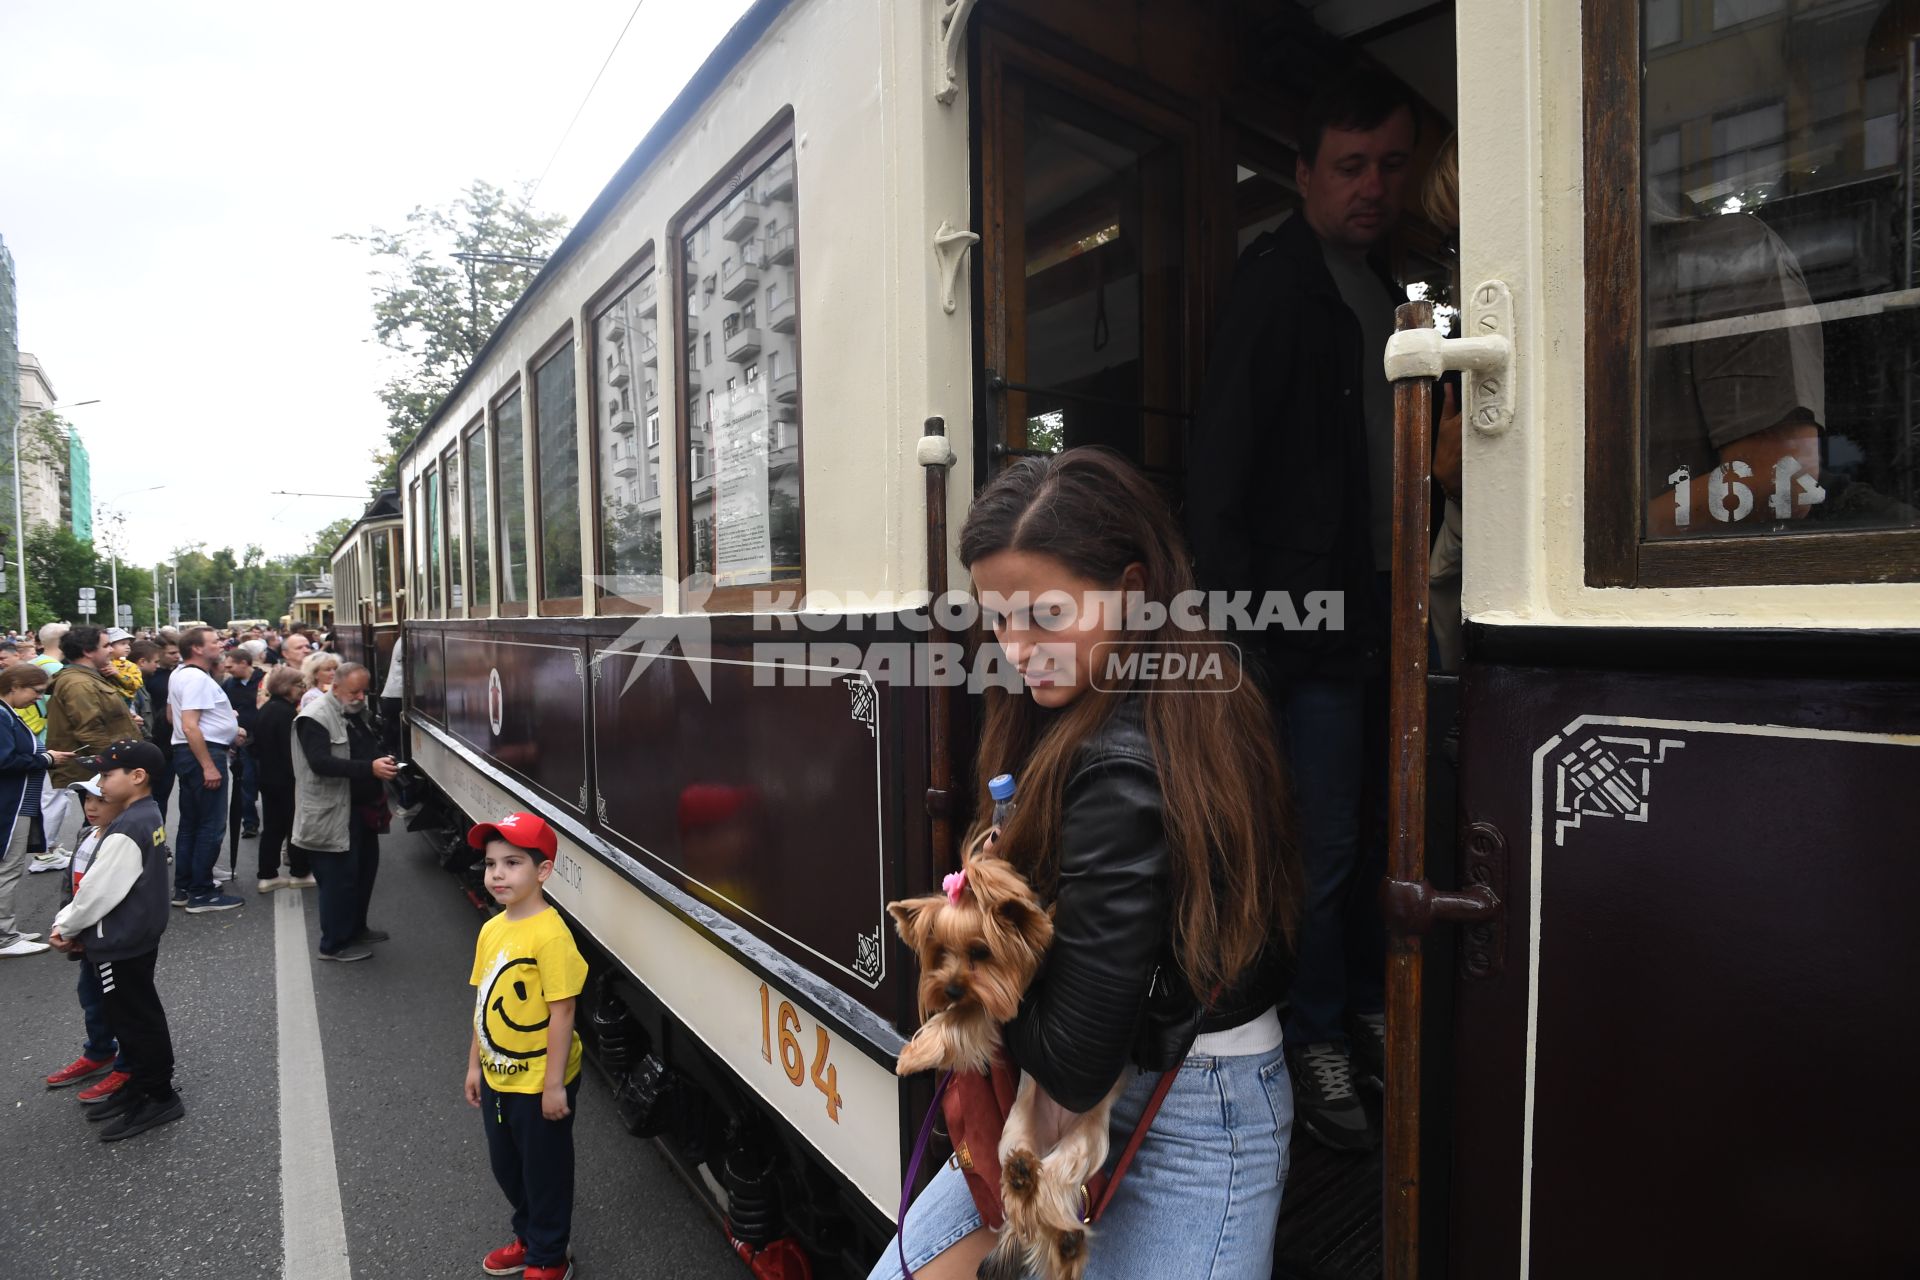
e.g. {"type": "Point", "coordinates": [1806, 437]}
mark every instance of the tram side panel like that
{"type": "Point", "coordinates": [732, 829]}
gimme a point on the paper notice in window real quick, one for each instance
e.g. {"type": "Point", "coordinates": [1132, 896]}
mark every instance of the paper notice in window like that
{"type": "Point", "coordinates": [743, 554]}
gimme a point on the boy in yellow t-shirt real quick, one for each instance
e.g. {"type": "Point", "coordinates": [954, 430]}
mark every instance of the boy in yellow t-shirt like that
{"type": "Point", "coordinates": [528, 973]}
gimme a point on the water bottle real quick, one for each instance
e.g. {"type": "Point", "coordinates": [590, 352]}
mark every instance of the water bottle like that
{"type": "Point", "coordinates": [1001, 788]}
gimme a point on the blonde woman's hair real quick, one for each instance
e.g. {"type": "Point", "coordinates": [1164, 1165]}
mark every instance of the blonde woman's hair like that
{"type": "Point", "coordinates": [1440, 193]}
{"type": "Point", "coordinates": [317, 663]}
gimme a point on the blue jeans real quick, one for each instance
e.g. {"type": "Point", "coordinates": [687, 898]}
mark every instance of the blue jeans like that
{"type": "Point", "coordinates": [100, 1042]}
{"type": "Point", "coordinates": [246, 774]}
{"type": "Point", "coordinates": [532, 1159]}
{"type": "Point", "coordinates": [203, 821]}
{"type": "Point", "coordinates": [1203, 1195]}
{"type": "Point", "coordinates": [1334, 733]}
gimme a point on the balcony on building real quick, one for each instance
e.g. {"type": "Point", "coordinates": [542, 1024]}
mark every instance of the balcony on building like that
{"type": "Point", "coordinates": [738, 220]}
{"type": "Point", "coordinates": [626, 468]}
{"type": "Point", "coordinates": [622, 415]}
{"type": "Point", "coordinates": [776, 180]}
{"type": "Point", "coordinates": [653, 396]}
{"type": "Point", "coordinates": [649, 349]}
{"type": "Point", "coordinates": [781, 315]}
{"type": "Point", "coordinates": [786, 388]}
{"type": "Point", "coordinates": [739, 280]}
{"type": "Point", "coordinates": [650, 296]}
{"type": "Point", "coordinates": [780, 245]}
{"type": "Point", "coordinates": [743, 344]}
{"type": "Point", "coordinates": [617, 375]}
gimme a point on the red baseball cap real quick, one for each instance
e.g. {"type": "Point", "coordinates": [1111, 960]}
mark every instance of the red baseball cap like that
{"type": "Point", "coordinates": [521, 829]}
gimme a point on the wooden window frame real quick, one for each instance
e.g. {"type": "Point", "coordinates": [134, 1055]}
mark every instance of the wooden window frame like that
{"type": "Point", "coordinates": [502, 607]}
{"type": "Point", "coordinates": [373, 583]}
{"type": "Point", "coordinates": [454, 456]}
{"type": "Point", "coordinates": [631, 276]}
{"type": "Point", "coordinates": [778, 134]}
{"type": "Point", "coordinates": [434, 516]}
{"type": "Point", "coordinates": [558, 606]}
{"type": "Point", "coordinates": [482, 425]}
{"type": "Point", "coordinates": [1617, 552]}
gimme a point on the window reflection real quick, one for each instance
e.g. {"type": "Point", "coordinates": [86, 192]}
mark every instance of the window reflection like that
{"type": "Point", "coordinates": [479, 569]}
{"type": "Point", "coordinates": [559, 461]}
{"type": "Point", "coordinates": [1782, 301]}
{"type": "Point", "coordinates": [434, 592]}
{"type": "Point", "coordinates": [511, 434]}
{"type": "Point", "coordinates": [743, 411]}
{"type": "Point", "coordinates": [627, 369]}
{"type": "Point", "coordinates": [450, 468]}
{"type": "Point", "coordinates": [382, 576]}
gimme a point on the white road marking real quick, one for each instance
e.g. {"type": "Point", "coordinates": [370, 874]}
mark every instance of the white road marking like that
{"type": "Point", "coordinates": [313, 1228]}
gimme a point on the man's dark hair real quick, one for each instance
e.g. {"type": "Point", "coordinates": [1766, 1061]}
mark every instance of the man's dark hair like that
{"type": "Point", "coordinates": [195, 638]}
{"type": "Point", "coordinates": [1357, 100]}
{"type": "Point", "coordinates": [8, 646]}
{"type": "Point", "coordinates": [79, 642]}
{"type": "Point", "coordinates": [142, 650]}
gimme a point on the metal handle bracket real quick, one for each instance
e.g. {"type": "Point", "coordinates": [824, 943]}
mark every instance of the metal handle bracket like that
{"type": "Point", "coordinates": [1486, 354]}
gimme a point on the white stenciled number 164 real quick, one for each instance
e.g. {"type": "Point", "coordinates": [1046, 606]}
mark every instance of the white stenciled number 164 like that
{"type": "Point", "coordinates": [1731, 501]}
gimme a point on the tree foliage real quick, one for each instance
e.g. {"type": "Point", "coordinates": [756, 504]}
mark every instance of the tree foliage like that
{"type": "Point", "coordinates": [433, 310]}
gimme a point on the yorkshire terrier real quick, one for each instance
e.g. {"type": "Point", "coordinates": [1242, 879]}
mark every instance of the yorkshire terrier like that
{"type": "Point", "coordinates": [980, 942]}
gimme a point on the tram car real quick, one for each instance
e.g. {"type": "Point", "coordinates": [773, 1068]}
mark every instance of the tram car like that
{"type": "Point", "coordinates": [1653, 830]}
{"type": "Point", "coordinates": [367, 566]}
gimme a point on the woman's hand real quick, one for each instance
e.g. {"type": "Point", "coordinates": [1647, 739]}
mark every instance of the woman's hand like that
{"type": "Point", "coordinates": [62, 757]}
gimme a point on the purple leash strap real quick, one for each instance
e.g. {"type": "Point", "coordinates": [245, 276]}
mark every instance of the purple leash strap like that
{"type": "Point", "coordinates": [913, 1171]}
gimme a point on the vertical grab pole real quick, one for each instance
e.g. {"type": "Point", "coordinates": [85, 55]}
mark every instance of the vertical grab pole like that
{"type": "Point", "coordinates": [1407, 797]}
{"type": "Point", "coordinates": [935, 457]}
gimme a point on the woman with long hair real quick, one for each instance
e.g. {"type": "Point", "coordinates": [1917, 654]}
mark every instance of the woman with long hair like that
{"type": "Point", "coordinates": [271, 743]}
{"type": "Point", "coordinates": [1151, 815]}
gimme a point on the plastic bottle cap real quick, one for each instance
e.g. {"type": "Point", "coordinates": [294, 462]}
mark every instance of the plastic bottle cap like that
{"type": "Point", "coordinates": [1001, 787]}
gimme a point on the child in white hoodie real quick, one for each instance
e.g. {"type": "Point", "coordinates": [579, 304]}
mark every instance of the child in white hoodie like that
{"type": "Point", "coordinates": [100, 1055]}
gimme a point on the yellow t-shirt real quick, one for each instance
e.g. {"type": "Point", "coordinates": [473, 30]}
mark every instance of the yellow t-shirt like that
{"type": "Point", "coordinates": [518, 966]}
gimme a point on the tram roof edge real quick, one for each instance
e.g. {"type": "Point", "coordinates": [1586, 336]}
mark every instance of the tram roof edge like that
{"type": "Point", "coordinates": [704, 83]}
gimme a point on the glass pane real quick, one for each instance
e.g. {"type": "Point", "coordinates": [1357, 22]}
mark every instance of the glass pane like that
{"type": "Point", "coordinates": [434, 592]}
{"type": "Point", "coordinates": [743, 413]}
{"type": "Point", "coordinates": [382, 576]}
{"type": "Point", "coordinates": [450, 468]}
{"type": "Point", "coordinates": [1782, 300]}
{"type": "Point", "coordinates": [559, 461]}
{"type": "Point", "coordinates": [479, 588]}
{"type": "Point", "coordinates": [418, 605]}
{"type": "Point", "coordinates": [511, 432]}
{"type": "Point", "coordinates": [626, 362]}
{"type": "Point", "coordinates": [1101, 328]}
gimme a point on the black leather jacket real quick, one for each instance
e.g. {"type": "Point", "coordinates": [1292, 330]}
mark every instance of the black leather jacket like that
{"type": "Point", "coordinates": [1111, 991]}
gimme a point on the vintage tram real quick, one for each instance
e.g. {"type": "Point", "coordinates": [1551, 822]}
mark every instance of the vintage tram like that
{"type": "Point", "coordinates": [367, 564]}
{"type": "Point", "coordinates": [642, 553]}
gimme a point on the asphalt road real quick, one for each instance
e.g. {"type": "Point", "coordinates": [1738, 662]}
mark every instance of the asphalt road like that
{"type": "Point", "coordinates": [203, 1197]}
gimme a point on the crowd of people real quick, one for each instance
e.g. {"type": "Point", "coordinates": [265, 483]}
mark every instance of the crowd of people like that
{"type": "Point", "coordinates": [251, 735]}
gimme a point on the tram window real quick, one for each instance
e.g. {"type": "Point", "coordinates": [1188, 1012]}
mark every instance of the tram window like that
{"type": "Point", "coordinates": [740, 482]}
{"type": "Point", "coordinates": [438, 606]}
{"type": "Point", "coordinates": [557, 456]}
{"type": "Point", "coordinates": [456, 519]}
{"type": "Point", "coordinates": [479, 565]}
{"type": "Point", "coordinates": [382, 576]}
{"type": "Point", "coordinates": [1091, 268]}
{"type": "Point", "coordinates": [510, 440]}
{"type": "Point", "coordinates": [1779, 339]}
{"type": "Point", "coordinates": [626, 363]}
{"type": "Point", "coordinates": [417, 603]}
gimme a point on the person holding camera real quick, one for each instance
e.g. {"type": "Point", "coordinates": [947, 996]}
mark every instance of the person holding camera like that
{"type": "Point", "coordinates": [340, 809]}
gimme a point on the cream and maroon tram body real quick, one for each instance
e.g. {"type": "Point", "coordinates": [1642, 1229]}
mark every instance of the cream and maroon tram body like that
{"type": "Point", "coordinates": [652, 553]}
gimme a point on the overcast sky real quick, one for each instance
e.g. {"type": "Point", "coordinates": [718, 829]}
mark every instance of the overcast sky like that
{"type": "Point", "coordinates": [172, 177]}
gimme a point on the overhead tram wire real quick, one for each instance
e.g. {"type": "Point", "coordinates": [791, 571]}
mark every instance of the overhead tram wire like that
{"type": "Point", "coordinates": [568, 131]}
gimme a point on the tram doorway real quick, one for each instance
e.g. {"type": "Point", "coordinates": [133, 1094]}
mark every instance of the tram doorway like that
{"type": "Point", "coordinates": [1125, 157]}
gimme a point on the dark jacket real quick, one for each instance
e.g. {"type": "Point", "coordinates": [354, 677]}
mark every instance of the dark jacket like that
{"type": "Point", "coordinates": [271, 742]}
{"type": "Point", "coordinates": [85, 712]}
{"type": "Point", "coordinates": [1111, 991]}
{"type": "Point", "coordinates": [22, 765]}
{"type": "Point", "coordinates": [1277, 489]}
{"type": "Point", "coordinates": [160, 723]}
{"type": "Point", "coordinates": [119, 911]}
{"type": "Point", "coordinates": [243, 696]}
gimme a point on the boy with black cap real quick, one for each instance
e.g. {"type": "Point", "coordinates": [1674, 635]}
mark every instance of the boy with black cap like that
{"type": "Point", "coordinates": [115, 920]}
{"type": "Point", "coordinates": [528, 972]}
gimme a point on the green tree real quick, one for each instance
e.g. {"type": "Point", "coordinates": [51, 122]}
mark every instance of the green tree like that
{"type": "Point", "coordinates": [434, 309]}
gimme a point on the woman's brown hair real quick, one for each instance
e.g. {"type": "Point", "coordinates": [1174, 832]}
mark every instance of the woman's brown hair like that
{"type": "Point", "coordinates": [1236, 878]}
{"type": "Point", "coordinates": [23, 675]}
{"type": "Point", "coordinates": [283, 679]}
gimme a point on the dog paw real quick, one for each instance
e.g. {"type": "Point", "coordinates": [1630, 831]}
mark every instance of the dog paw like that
{"type": "Point", "coordinates": [921, 1054]}
{"type": "Point", "coordinates": [1019, 1174]}
{"type": "Point", "coordinates": [1070, 1255]}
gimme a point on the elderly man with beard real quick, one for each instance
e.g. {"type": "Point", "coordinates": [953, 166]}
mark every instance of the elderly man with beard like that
{"type": "Point", "coordinates": [340, 809]}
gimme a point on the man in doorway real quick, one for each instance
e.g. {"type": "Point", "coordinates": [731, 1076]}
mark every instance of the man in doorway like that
{"type": "Point", "coordinates": [1290, 490]}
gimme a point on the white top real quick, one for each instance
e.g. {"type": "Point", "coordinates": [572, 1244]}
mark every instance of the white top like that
{"type": "Point", "coordinates": [310, 697]}
{"type": "Point", "coordinates": [191, 689]}
{"type": "Point", "coordinates": [1262, 1035]}
{"type": "Point", "coordinates": [394, 688]}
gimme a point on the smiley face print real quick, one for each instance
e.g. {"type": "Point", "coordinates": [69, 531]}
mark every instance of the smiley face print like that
{"type": "Point", "coordinates": [510, 1016]}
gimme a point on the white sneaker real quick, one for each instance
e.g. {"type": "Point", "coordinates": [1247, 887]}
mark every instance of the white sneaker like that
{"type": "Point", "coordinates": [268, 886]}
{"type": "Point", "coordinates": [221, 875]}
{"type": "Point", "coordinates": [23, 947]}
{"type": "Point", "coordinates": [51, 860]}
{"type": "Point", "coordinates": [302, 882]}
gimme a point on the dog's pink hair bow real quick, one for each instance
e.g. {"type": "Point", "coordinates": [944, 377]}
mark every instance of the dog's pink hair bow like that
{"type": "Point", "coordinates": [953, 884]}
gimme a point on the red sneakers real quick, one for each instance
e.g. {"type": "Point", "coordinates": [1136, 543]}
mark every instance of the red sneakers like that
{"type": "Point", "coordinates": [562, 1272]}
{"type": "Point", "coordinates": [81, 1068]}
{"type": "Point", "coordinates": [105, 1089]}
{"type": "Point", "coordinates": [509, 1259]}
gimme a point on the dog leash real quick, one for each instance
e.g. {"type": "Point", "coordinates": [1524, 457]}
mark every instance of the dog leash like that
{"type": "Point", "coordinates": [913, 1171]}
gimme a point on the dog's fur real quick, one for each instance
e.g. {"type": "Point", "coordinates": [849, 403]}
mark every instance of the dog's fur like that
{"type": "Point", "coordinates": [977, 957]}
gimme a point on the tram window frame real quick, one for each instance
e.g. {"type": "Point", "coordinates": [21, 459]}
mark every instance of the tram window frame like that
{"type": "Point", "coordinates": [380, 547]}
{"type": "Point", "coordinates": [434, 518]}
{"type": "Point", "coordinates": [1618, 554]}
{"type": "Point", "coordinates": [777, 135]}
{"type": "Point", "coordinates": [633, 275]}
{"type": "Point", "coordinates": [482, 510]}
{"type": "Point", "coordinates": [453, 540]}
{"type": "Point", "coordinates": [514, 389]}
{"type": "Point", "coordinates": [544, 356]}
{"type": "Point", "coordinates": [418, 605]}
